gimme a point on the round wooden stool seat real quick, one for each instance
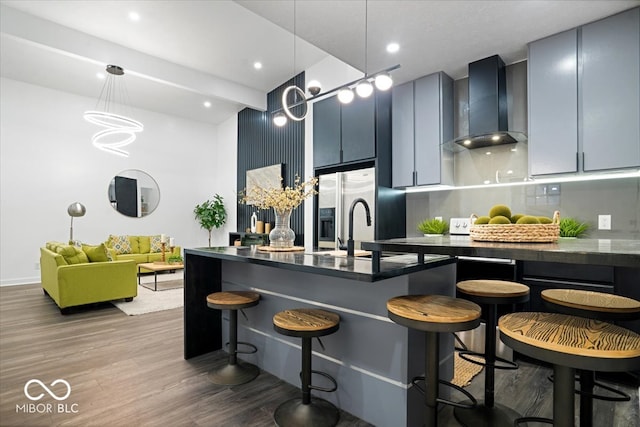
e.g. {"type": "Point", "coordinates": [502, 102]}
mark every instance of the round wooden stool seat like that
{"type": "Point", "coordinates": [493, 291]}
{"type": "Point", "coordinates": [570, 343]}
{"type": "Point", "coordinates": [309, 322]}
{"type": "Point", "coordinates": [592, 304]}
{"type": "Point", "coordinates": [437, 313]}
{"type": "Point", "coordinates": [232, 300]}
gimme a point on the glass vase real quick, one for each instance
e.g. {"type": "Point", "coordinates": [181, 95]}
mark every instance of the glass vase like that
{"type": "Point", "coordinates": [282, 236]}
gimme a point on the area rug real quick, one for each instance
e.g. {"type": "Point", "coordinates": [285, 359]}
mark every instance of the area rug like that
{"type": "Point", "coordinates": [464, 371]}
{"type": "Point", "coordinates": [149, 301]}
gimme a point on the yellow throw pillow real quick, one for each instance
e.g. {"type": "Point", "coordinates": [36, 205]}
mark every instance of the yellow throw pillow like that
{"type": "Point", "coordinates": [144, 244]}
{"type": "Point", "coordinates": [97, 253]}
{"type": "Point", "coordinates": [120, 244]}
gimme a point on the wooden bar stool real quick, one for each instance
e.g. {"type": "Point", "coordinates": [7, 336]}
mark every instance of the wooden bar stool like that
{"type": "Point", "coordinates": [569, 343]}
{"type": "Point", "coordinates": [234, 373]}
{"type": "Point", "coordinates": [307, 323]}
{"type": "Point", "coordinates": [434, 314]}
{"type": "Point", "coordinates": [489, 294]}
{"type": "Point", "coordinates": [594, 305]}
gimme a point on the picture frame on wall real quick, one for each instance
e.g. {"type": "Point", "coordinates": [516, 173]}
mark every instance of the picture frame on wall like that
{"type": "Point", "coordinates": [265, 177]}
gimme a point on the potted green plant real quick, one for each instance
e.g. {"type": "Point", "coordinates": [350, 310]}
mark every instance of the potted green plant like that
{"type": "Point", "coordinates": [571, 227]}
{"type": "Point", "coordinates": [433, 226]}
{"type": "Point", "coordinates": [174, 259]}
{"type": "Point", "coordinates": [211, 214]}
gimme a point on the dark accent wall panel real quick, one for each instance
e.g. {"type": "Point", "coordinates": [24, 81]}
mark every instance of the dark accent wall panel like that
{"type": "Point", "coordinates": [261, 143]}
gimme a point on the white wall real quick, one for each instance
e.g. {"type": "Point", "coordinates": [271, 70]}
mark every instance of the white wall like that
{"type": "Point", "coordinates": [47, 162]}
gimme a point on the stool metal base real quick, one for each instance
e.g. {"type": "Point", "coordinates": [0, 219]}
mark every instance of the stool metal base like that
{"type": "Point", "coordinates": [318, 413]}
{"type": "Point", "coordinates": [483, 416]}
{"type": "Point", "coordinates": [240, 373]}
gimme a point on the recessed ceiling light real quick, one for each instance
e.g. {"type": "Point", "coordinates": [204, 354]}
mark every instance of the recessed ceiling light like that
{"type": "Point", "coordinates": [206, 104]}
{"type": "Point", "coordinates": [488, 153]}
{"type": "Point", "coordinates": [393, 47]}
{"type": "Point", "coordinates": [134, 16]}
{"type": "Point", "coordinates": [101, 76]}
{"type": "Point", "coordinates": [257, 65]}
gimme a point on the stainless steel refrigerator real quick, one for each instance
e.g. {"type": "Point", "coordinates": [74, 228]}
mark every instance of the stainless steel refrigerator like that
{"type": "Point", "coordinates": [336, 193]}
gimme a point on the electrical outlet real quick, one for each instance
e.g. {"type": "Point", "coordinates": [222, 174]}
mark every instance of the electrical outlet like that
{"type": "Point", "coordinates": [439, 218]}
{"type": "Point", "coordinates": [604, 222]}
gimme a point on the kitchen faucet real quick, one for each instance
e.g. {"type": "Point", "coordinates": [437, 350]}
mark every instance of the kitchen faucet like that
{"type": "Point", "coordinates": [350, 242]}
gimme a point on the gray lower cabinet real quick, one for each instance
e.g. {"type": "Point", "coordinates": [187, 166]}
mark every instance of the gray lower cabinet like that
{"type": "Point", "coordinates": [584, 98]}
{"type": "Point", "coordinates": [422, 121]}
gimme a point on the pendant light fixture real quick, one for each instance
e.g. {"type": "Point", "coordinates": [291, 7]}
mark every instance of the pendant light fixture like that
{"type": "Point", "coordinates": [118, 130]}
{"type": "Point", "coordinates": [345, 93]}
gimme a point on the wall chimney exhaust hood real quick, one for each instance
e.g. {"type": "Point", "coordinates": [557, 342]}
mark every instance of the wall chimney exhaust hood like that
{"type": "Point", "coordinates": [488, 107]}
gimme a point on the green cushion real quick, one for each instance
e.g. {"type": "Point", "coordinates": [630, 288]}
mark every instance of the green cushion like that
{"type": "Point", "coordinates": [121, 244]}
{"type": "Point", "coordinates": [144, 244]}
{"type": "Point", "coordinates": [135, 245]}
{"type": "Point", "coordinates": [96, 253]}
{"type": "Point", "coordinates": [72, 255]}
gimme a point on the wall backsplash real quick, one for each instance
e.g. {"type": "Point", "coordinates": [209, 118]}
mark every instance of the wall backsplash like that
{"type": "Point", "coordinates": [583, 200]}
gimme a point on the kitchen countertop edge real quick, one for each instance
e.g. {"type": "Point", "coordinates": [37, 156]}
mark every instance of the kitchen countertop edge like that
{"type": "Point", "coordinates": [350, 268]}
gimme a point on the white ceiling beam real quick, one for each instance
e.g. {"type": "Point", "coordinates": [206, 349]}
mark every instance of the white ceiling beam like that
{"type": "Point", "coordinates": [70, 42]}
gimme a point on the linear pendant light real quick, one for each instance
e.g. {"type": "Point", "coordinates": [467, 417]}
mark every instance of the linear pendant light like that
{"type": "Point", "coordinates": [119, 130]}
{"type": "Point", "coordinates": [363, 87]}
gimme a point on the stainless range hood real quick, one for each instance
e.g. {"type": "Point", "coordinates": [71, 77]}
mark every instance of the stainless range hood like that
{"type": "Point", "coordinates": [488, 106]}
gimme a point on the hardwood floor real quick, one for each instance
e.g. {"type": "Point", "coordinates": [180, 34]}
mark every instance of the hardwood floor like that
{"type": "Point", "coordinates": [129, 370]}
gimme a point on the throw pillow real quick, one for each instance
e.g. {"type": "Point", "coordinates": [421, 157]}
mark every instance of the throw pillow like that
{"type": "Point", "coordinates": [97, 253]}
{"type": "Point", "coordinates": [72, 255]}
{"type": "Point", "coordinates": [121, 244]}
{"type": "Point", "coordinates": [156, 244]}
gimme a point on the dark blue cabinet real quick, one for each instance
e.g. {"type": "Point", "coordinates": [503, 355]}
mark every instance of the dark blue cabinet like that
{"type": "Point", "coordinates": [346, 133]}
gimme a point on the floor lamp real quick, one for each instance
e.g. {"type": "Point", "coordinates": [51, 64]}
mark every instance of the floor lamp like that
{"type": "Point", "coordinates": [75, 210]}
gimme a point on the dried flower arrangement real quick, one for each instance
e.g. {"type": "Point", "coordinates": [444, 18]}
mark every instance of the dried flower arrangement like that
{"type": "Point", "coordinates": [280, 199]}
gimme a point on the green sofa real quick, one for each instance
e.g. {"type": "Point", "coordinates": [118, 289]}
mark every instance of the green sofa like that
{"type": "Point", "coordinates": [140, 249]}
{"type": "Point", "coordinates": [71, 279]}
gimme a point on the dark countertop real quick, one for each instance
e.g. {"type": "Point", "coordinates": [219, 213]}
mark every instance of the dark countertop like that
{"type": "Point", "coordinates": [614, 252]}
{"type": "Point", "coordinates": [343, 267]}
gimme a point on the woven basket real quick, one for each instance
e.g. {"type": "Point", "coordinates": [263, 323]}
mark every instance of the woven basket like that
{"type": "Point", "coordinates": [525, 233]}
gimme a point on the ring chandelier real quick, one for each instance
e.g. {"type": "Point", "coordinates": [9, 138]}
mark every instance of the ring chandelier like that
{"type": "Point", "coordinates": [119, 131]}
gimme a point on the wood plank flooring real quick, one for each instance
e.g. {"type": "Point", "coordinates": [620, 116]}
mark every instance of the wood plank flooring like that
{"type": "Point", "coordinates": [129, 371]}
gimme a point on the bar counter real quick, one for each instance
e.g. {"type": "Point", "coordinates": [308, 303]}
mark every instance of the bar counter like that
{"type": "Point", "coordinates": [609, 252]}
{"type": "Point", "coordinates": [372, 358]}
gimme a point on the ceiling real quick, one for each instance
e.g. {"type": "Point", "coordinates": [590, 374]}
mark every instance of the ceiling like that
{"type": "Point", "coordinates": [181, 53]}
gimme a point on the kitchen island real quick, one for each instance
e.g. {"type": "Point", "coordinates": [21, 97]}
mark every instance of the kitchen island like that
{"type": "Point", "coordinates": [372, 358]}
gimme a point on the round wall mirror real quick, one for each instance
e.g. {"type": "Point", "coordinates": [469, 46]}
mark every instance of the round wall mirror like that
{"type": "Point", "coordinates": [134, 193]}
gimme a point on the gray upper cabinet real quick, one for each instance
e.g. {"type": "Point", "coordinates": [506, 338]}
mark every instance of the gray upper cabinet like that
{"type": "Point", "coordinates": [553, 102]}
{"type": "Point", "coordinates": [326, 132]}
{"type": "Point", "coordinates": [358, 129]}
{"type": "Point", "coordinates": [584, 98]}
{"type": "Point", "coordinates": [611, 92]}
{"type": "Point", "coordinates": [402, 147]}
{"type": "Point", "coordinates": [345, 133]}
{"type": "Point", "coordinates": [422, 121]}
